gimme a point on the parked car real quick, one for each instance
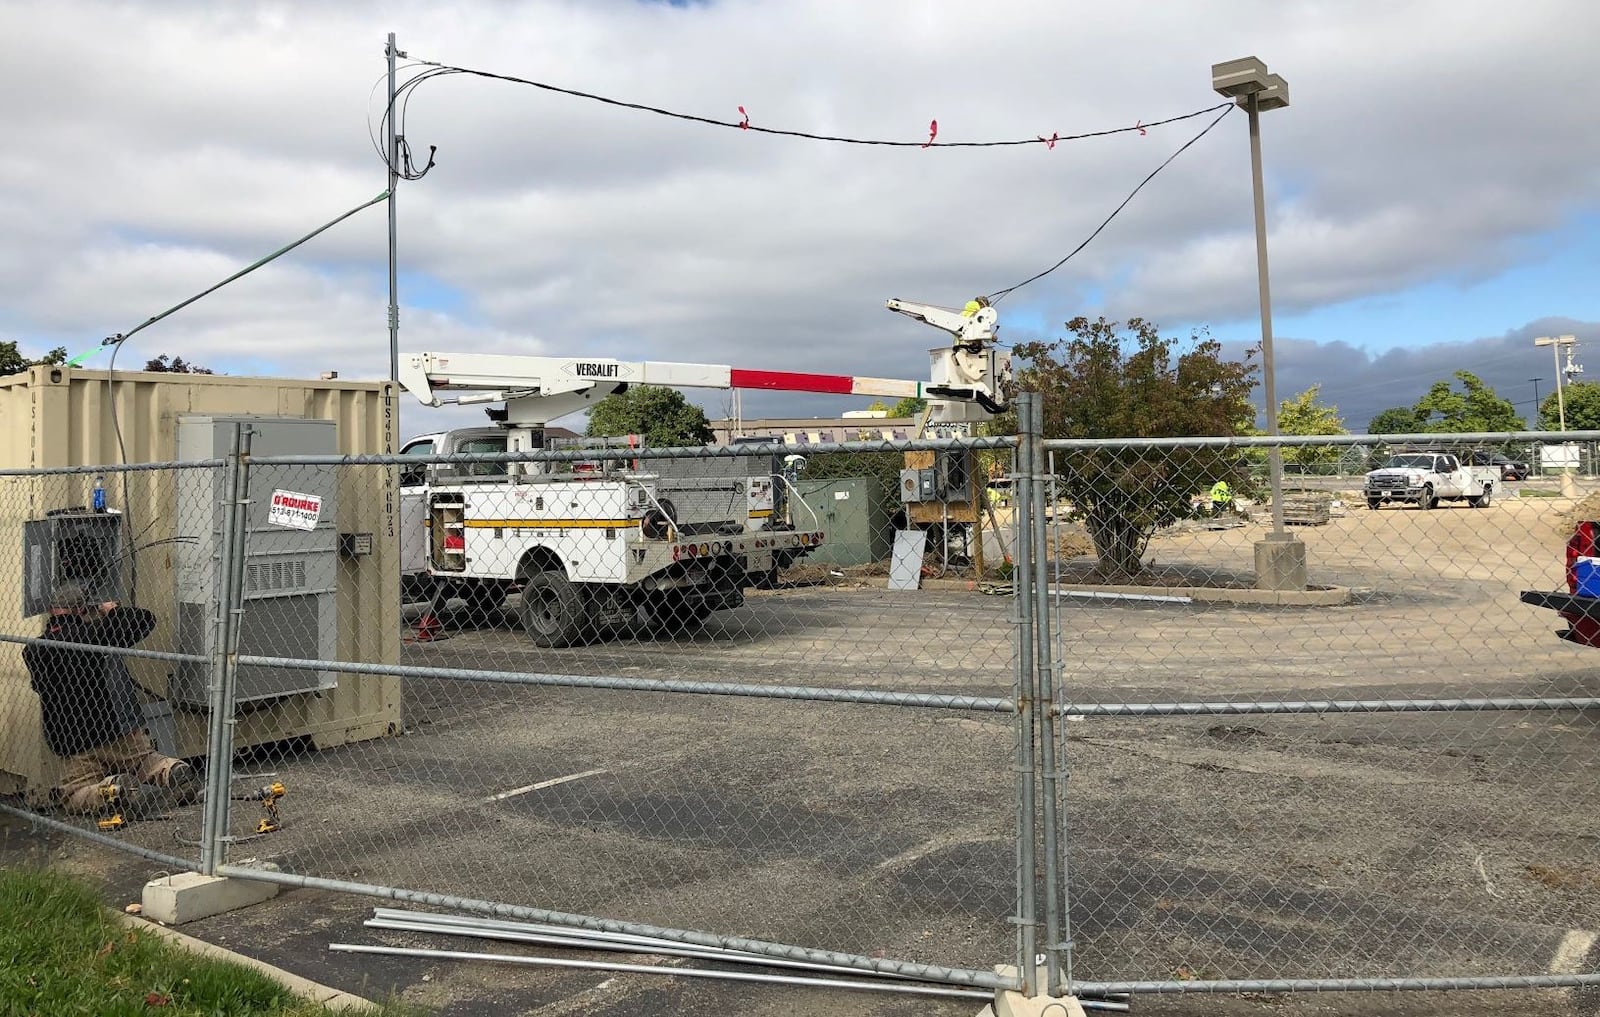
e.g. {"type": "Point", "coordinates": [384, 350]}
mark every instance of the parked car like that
{"type": "Point", "coordinates": [1510, 469]}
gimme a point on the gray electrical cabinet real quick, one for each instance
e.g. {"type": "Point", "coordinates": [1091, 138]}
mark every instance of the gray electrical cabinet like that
{"type": "Point", "coordinates": [291, 574]}
{"type": "Point", "coordinates": [71, 546]}
{"type": "Point", "coordinates": [855, 516]}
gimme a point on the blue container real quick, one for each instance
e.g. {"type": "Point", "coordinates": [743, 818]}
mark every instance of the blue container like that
{"type": "Point", "coordinates": [100, 494]}
{"type": "Point", "coordinates": [1587, 573]}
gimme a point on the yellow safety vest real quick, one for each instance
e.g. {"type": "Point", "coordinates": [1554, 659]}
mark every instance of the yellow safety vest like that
{"type": "Point", "coordinates": [1220, 492]}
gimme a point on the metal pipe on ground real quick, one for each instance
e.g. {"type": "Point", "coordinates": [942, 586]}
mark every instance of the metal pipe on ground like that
{"type": "Point", "coordinates": [399, 920]}
{"type": "Point", "coordinates": [478, 922]}
{"type": "Point", "coordinates": [903, 988]}
{"type": "Point", "coordinates": [583, 943]}
{"type": "Point", "coordinates": [898, 988]}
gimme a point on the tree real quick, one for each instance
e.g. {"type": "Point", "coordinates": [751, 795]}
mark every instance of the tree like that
{"type": "Point", "coordinates": [1582, 400]}
{"type": "Point", "coordinates": [13, 362]}
{"type": "Point", "coordinates": [1443, 410]}
{"type": "Point", "coordinates": [1102, 382]}
{"type": "Point", "coordinates": [662, 416]}
{"type": "Point", "coordinates": [910, 406]}
{"type": "Point", "coordinates": [1395, 420]}
{"type": "Point", "coordinates": [176, 365]}
{"type": "Point", "coordinates": [1302, 414]}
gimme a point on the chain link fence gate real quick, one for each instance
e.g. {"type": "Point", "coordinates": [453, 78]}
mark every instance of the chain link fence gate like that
{"type": "Point", "coordinates": [669, 693]}
{"type": "Point", "coordinates": [1383, 781]}
{"type": "Point", "coordinates": [113, 636]}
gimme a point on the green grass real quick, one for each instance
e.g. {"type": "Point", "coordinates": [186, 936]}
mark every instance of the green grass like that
{"type": "Point", "coordinates": [62, 953]}
{"type": "Point", "coordinates": [1533, 492]}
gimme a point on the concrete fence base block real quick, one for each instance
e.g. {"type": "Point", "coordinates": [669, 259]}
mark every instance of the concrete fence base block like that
{"type": "Point", "coordinates": [1008, 1003]}
{"type": "Point", "coordinates": [1015, 1004]}
{"type": "Point", "coordinates": [189, 896]}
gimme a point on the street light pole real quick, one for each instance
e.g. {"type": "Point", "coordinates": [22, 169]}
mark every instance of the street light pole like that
{"type": "Point", "coordinates": [1274, 453]}
{"type": "Point", "coordinates": [1281, 557]}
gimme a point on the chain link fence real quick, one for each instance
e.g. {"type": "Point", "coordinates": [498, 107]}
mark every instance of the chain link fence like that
{"type": "Point", "coordinates": [910, 707]}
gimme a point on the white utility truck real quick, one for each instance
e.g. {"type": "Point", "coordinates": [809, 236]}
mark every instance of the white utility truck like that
{"type": "Point", "coordinates": [1429, 477]}
{"type": "Point", "coordinates": [616, 539]}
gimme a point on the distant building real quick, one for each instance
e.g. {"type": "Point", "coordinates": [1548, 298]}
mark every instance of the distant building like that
{"type": "Point", "coordinates": [815, 430]}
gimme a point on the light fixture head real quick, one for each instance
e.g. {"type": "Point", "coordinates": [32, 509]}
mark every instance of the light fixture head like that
{"type": "Point", "coordinates": [1274, 96]}
{"type": "Point", "coordinates": [1244, 76]}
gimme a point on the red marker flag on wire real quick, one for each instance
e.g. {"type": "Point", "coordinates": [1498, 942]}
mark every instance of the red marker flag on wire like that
{"type": "Point", "coordinates": [745, 123]}
{"type": "Point", "coordinates": [933, 132]}
{"type": "Point", "coordinates": [1050, 142]}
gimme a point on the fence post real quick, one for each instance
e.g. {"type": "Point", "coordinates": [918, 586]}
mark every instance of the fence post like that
{"type": "Point", "coordinates": [229, 577]}
{"type": "Point", "coordinates": [1057, 934]}
{"type": "Point", "coordinates": [1022, 586]}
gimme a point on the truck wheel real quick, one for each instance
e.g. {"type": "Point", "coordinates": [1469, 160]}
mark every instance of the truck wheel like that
{"type": "Point", "coordinates": [1482, 501]}
{"type": "Point", "coordinates": [1373, 503]}
{"type": "Point", "coordinates": [1427, 501]}
{"type": "Point", "coordinates": [552, 609]}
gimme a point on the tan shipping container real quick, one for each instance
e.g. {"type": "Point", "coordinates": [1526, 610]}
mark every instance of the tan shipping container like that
{"type": "Point", "coordinates": [58, 417]}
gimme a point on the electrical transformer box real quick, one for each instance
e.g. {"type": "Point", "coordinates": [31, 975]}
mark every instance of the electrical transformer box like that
{"type": "Point", "coordinates": [71, 546]}
{"type": "Point", "coordinates": [290, 571]}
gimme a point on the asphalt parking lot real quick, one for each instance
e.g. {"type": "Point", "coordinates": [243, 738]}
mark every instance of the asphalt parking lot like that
{"type": "Point", "coordinates": [1429, 844]}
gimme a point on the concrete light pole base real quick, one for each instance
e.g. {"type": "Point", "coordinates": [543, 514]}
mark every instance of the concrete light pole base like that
{"type": "Point", "coordinates": [1280, 562]}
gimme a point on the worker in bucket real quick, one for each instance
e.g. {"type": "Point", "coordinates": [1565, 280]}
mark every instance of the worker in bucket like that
{"type": "Point", "coordinates": [1221, 497]}
{"type": "Point", "coordinates": [92, 716]}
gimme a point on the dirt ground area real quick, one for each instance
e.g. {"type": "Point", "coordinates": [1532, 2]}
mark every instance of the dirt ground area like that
{"type": "Point", "coordinates": [1422, 844]}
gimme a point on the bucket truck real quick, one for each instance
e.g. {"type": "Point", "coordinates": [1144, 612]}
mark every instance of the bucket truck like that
{"type": "Point", "coordinates": [627, 541]}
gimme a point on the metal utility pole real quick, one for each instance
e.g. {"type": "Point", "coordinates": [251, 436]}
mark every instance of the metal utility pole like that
{"type": "Point", "coordinates": [1535, 399]}
{"type": "Point", "coordinates": [392, 147]}
{"type": "Point", "coordinates": [1556, 343]}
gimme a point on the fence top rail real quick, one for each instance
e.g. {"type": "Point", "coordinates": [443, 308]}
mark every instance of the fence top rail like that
{"type": "Point", "coordinates": [1297, 440]}
{"type": "Point", "coordinates": [55, 471]}
{"type": "Point", "coordinates": [772, 448]}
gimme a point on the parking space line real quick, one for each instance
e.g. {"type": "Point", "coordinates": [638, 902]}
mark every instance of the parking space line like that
{"type": "Point", "coordinates": [1572, 952]}
{"type": "Point", "coordinates": [552, 782]}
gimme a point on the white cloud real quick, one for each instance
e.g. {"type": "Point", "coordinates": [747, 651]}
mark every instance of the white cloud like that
{"type": "Point", "coordinates": [156, 147]}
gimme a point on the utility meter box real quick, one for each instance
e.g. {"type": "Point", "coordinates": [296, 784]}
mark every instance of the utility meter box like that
{"type": "Point", "coordinates": [290, 571]}
{"type": "Point", "coordinates": [71, 546]}
{"type": "Point", "coordinates": [919, 485]}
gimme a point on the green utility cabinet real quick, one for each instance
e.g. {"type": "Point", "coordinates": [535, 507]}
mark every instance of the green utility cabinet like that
{"type": "Point", "coordinates": [854, 513]}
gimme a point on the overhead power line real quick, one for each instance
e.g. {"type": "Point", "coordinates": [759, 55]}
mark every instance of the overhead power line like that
{"type": "Point", "coordinates": [999, 295]}
{"type": "Point", "coordinates": [744, 122]}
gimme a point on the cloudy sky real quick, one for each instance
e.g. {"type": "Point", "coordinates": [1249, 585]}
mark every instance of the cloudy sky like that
{"type": "Point", "coordinates": [1433, 192]}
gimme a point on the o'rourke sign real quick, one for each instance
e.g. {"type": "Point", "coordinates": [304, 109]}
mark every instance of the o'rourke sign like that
{"type": "Point", "coordinates": [294, 510]}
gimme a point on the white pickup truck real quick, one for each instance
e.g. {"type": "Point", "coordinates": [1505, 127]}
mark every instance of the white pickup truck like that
{"type": "Point", "coordinates": [1429, 477]}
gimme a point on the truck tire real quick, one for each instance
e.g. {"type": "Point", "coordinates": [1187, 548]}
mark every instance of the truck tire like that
{"type": "Point", "coordinates": [1427, 500]}
{"type": "Point", "coordinates": [552, 609]}
{"type": "Point", "coordinates": [1482, 501]}
{"type": "Point", "coordinates": [1374, 503]}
